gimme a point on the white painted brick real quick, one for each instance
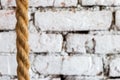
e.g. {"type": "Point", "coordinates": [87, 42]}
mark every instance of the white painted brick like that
{"type": "Point", "coordinates": [101, 2]}
{"type": "Point", "coordinates": [107, 44]}
{"type": "Point", "coordinates": [83, 78]}
{"type": "Point", "coordinates": [103, 44]}
{"type": "Point", "coordinates": [115, 67]}
{"type": "Point", "coordinates": [117, 19]}
{"type": "Point", "coordinates": [113, 79]}
{"type": "Point", "coordinates": [38, 43]}
{"type": "Point", "coordinates": [48, 64]}
{"type": "Point", "coordinates": [56, 79]}
{"type": "Point", "coordinates": [65, 3]}
{"type": "Point", "coordinates": [43, 3]}
{"type": "Point", "coordinates": [69, 21]}
{"type": "Point", "coordinates": [46, 42]}
{"type": "Point", "coordinates": [82, 65]}
{"type": "Point", "coordinates": [5, 78]}
{"type": "Point", "coordinates": [8, 3]}
{"type": "Point", "coordinates": [7, 42]}
{"type": "Point", "coordinates": [32, 28]}
{"type": "Point", "coordinates": [7, 19]}
{"type": "Point", "coordinates": [8, 64]}
{"type": "Point", "coordinates": [48, 79]}
{"type": "Point", "coordinates": [69, 65]}
{"type": "Point", "coordinates": [40, 77]}
{"type": "Point", "coordinates": [77, 42]}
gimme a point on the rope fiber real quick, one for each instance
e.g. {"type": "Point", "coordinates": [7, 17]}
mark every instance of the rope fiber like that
{"type": "Point", "coordinates": [22, 40]}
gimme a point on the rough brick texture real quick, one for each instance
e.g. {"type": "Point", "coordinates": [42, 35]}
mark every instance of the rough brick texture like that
{"type": "Point", "coordinates": [107, 44]}
{"type": "Point", "coordinates": [101, 2]}
{"type": "Point", "coordinates": [115, 67]}
{"type": "Point", "coordinates": [101, 44]}
{"type": "Point", "coordinates": [43, 3]}
{"type": "Point", "coordinates": [8, 64]}
{"type": "Point", "coordinates": [68, 65]}
{"type": "Point", "coordinates": [70, 21]}
{"type": "Point", "coordinates": [46, 42]}
{"type": "Point", "coordinates": [7, 19]}
{"type": "Point", "coordinates": [68, 39]}
{"type": "Point", "coordinates": [7, 38]}
{"type": "Point", "coordinates": [117, 18]}
{"type": "Point", "coordinates": [38, 42]}
{"type": "Point", "coordinates": [77, 42]}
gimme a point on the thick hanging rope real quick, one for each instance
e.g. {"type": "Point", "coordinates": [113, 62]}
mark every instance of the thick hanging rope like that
{"type": "Point", "coordinates": [22, 40]}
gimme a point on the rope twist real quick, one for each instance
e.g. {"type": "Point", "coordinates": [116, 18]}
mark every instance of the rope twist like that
{"type": "Point", "coordinates": [22, 40]}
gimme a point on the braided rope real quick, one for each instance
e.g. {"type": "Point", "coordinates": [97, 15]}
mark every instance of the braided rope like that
{"type": "Point", "coordinates": [22, 40]}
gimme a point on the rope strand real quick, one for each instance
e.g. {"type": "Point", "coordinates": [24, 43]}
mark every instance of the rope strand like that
{"type": "Point", "coordinates": [22, 40]}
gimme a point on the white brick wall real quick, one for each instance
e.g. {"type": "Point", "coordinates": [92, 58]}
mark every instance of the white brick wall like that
{"type": "Point", "coordinates": [68, 65]}
{"type": "Point", "coordinates": [115, 67]}
{"type": "Point", "coordinates": [69, 21]}
{"type": "Point", "coordinates": [68, 39]}
{"type": "Point", "coordinates": [4, 78]}
{"type": "Point", "coordinates": [102, 44]}
{"type": "Point", "coordinates": [101, 2]}
{"type": "Point", "coordinates": [37, 42]}
{"type": "Point", "coordinates": [7, 42]}
{"type": "Point", "coordinates": [43, 3]}
{"type": "Point", "coordinates": [83, 78]}
{"type": "Point", "coordinates": [8, 64]}
{"type": "Point", "coordinates": [46, 42]}
{"type": "Point", "coordinates": [117, 18]}
{"type": "Point", "coordinates": [107, 44]}
{"type": "Point", "coordinates": [77, 42]}
{"type": "Point", "coordinates": [7, 19]}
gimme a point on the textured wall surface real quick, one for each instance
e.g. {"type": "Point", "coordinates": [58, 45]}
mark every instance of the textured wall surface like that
{"type": "Point", "coordinates": [68, 39]}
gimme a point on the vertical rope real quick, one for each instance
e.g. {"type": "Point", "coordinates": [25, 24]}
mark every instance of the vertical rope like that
{"type": "Point", "coordinates": [22, 40]}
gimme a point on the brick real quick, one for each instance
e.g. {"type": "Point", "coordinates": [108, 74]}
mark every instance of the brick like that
{"type": "Point", "coordinates": [82, 78]}
{"type": "Point", "coordinates": [7, 42]}
{"type": "Point", "coordinates": [7, 19]}
{"type": "Point", "coordinates": [48, 78]}
{"type": "Point", "coordinates": [8, 3]}
{"type": "Point", "coordinates": [77, 42]}
{"type": "Point", "coordinates": [68, 65]}
{"type": "Point", "coordinates": [88, 65]}
{"type": "Point", "coordinates": [101, 2]}
{"type": "Point", "coordinates": [5, 78]}
{"type": "Point", "coordinates": [73, 21]}
{"type": "Point", "coordinates": [56, 79]}
{"type": "Point", "coordinates": [8, 67]}
{"type": "Point", "coordinates": [101, 44]}
{"type": "Point", "coordinates": [107, 44]}
{"type": "Point", "coordinates": [113, 79]}
{"type": "Point", "coordinates": [36, 76]}
{"type": "Point", "coordinates": [115, 67]}
{"type": "Point", "coordinates": [117, 19]}
{"type": "Point", "coordinates": [43, 3]}
{"type": "Point", "coordinates": [65, 3]}
{"type": "Point", "coordinates": [45, 42]}
{"type": "Point", "coordinates": [51, 79]}
{"type": "Point", "coordinates": [8, 64]}
{"type": "Point", "coordinates": [47, 64]}
{"type": "Point", "coordinates": [38, 43]}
